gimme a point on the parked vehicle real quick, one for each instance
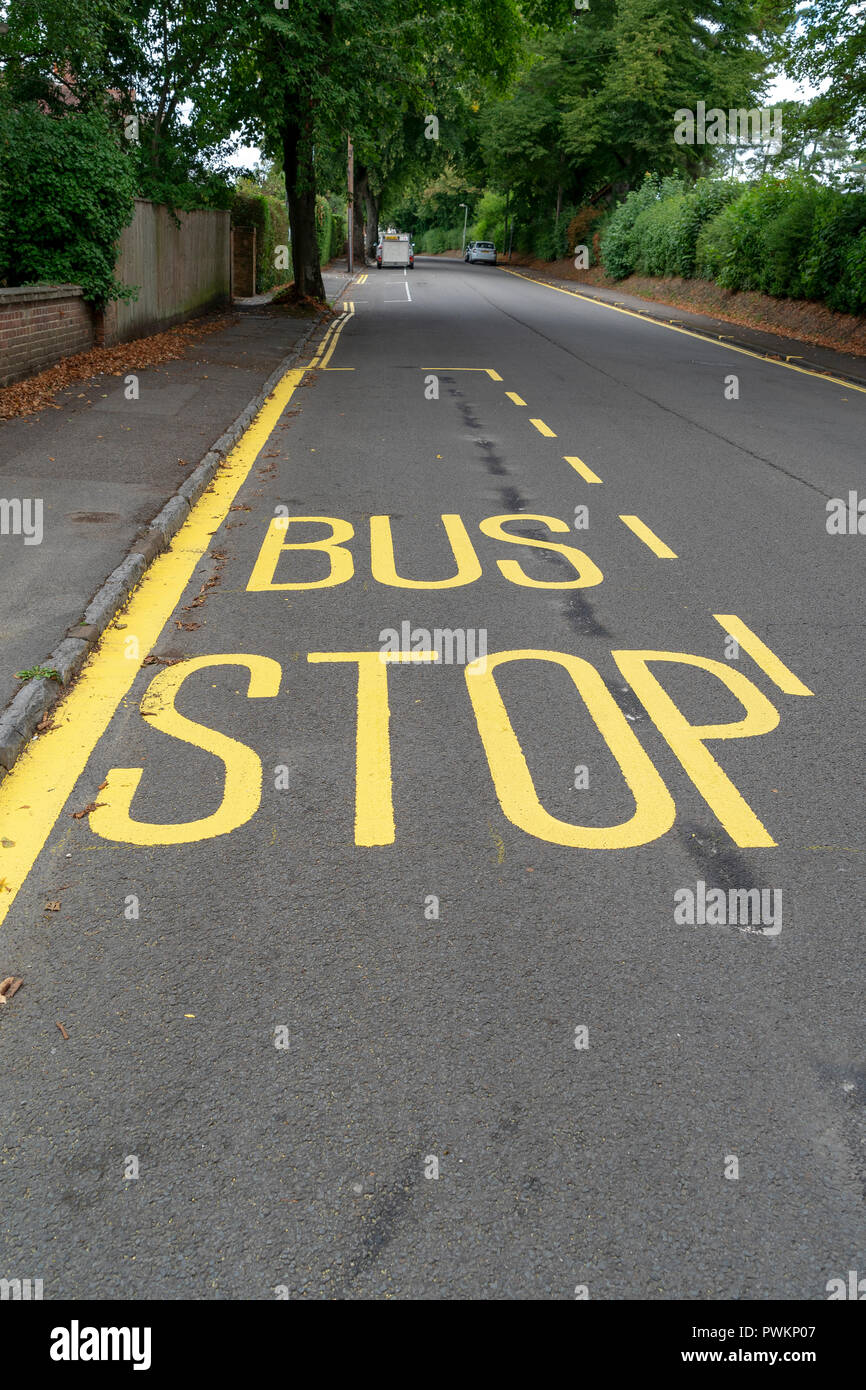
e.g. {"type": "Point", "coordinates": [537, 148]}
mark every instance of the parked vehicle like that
{"type": "Point", "coordinates": [395, 249]}
{"type": "Point", "coordinates": [482, 252]}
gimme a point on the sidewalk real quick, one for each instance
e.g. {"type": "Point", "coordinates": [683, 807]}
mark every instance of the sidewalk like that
{"type": "Point", "coordinates": [103, 466]}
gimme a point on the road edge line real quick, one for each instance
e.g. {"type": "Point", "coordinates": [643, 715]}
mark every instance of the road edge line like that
{"type": "Point", "coordinates": [706, 336]}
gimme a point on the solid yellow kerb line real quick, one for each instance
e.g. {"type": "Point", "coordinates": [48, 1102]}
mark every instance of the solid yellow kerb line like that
{"type": "Point", "coordinates": [34, 793]}
{"type": "Point", "coordinates": [702, 337]}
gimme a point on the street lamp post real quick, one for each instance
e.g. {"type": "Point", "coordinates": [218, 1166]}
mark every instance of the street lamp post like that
{"type": "Point", "coordinates": [465, 215]}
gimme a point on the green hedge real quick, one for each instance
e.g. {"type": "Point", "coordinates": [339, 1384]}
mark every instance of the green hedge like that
{"type": "Point", "coordinates": [269, 217]}
{"type": "Point", "coordinates": [331, 227]}
{"type": "Point", "coordinates": [792, 237]}
{"type": "Point", "coordinates": [438, 239]}
{"type": "Point", "coordinates": [66, 193]}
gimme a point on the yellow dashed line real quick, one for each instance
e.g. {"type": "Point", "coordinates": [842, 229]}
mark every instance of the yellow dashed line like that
{"type": "Point", "coordinates": [513, 396]}
{"type": "Point", "coordinates": [543, 429]}
{"type": "Point", "coordinates": [643, 532]}
{"type": "Point", "coordinates": [580, 467]}
{"type": "Point", "coordinates": [494, 376]}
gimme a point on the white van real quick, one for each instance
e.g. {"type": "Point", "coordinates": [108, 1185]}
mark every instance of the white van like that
{"type": "Point", "coordinates": [395, 249]}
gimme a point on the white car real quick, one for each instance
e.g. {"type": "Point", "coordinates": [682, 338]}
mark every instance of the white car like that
{"type": "Point", "coordinates": [481, 251]}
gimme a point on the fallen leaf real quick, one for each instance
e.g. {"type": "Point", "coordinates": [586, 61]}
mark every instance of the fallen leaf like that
{"type": "Point", "coordinates": [63, 1032]}
{"type": "Point", "coordinates": [52, 907]}
{"type": "Point", "coordinates": [94, 806]}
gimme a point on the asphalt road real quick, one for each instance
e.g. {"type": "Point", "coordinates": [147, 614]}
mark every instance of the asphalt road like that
{"type": "Point", "coordinates": [456, 941]}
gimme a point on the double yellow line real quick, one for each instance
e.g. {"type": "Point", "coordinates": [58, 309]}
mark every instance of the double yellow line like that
{"type": "Point", "coordinates": [329, 342]}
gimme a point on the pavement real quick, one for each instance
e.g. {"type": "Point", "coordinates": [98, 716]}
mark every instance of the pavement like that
{"type": "Point", "coordinates": [376, 977]}
{"type": "Point", "coordinates": [102, 466]}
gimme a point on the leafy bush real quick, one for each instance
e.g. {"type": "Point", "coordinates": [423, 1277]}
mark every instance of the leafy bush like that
{"type": "Point", "coordinates": [489, 224]}
{"type": "Point", "coordinates": [617, 243]}
{"type": "Point", "coordinates": [339, 226]}
{"type": "Point", "coordinates": [582, 229]}
{"type": "Point", "coordinates": [66, 192]}
{"type": "Point", "coordinates": [787, 237]}
{"type": "Point", "coordinates": [438, 239]}
{"type": "Point", "coordinates": [269, 217]}
{"type": "Point", "coordinates": [700, 204]}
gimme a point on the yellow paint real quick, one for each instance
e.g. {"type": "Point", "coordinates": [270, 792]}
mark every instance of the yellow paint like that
{"type": "Point", "coordinates": [274, 543]}
{"type": "Point", "coordinates": [543, 429]}
{"type": "Point", "coordinates": [335, 339]}
{"type": "Point", "coordinates": [687, 740]}
{"type": "Point", "coordinates": [383, 565]}
{"type": "Point", "coordinates": [494, 376]}
{"type": "Point", "coordinates": [243, 769]}
{"type": "Point", "coordinates": [643, 533]}
{"type": "Point", "coordinates": [583, 469]}
{"type": "Point", "coordinates": [588, 572]}
{"type": "Point", "coordinates": [760, 653]}
{"type": "Point", "coordinates": [513, 396]}
{"type": "Point", "coordinates": [38, 787]}
{"type": "Point", "coordinates": [374, 802]}
{"type": "Point", "coordinates": [702, 337]}
{"type": "Point", "coordinates": [654, 807]}
{"type": "Point", "coordinates": [323, 344]}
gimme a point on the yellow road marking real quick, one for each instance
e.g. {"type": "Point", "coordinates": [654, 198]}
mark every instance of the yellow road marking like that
{"type": "Point", "coordinates": [494, 376]}
{"type": "Point", "coordinates": [643, 532]}
{"type": "Point", "coordinates": [583, 469]}
{"type": "Point", "coordinates": [362, 278]}
{"type": "Point", "coordinates": [513, 396]}
{"type": "Point", "coordinates": [329, 354]}
{"type": "Point", "coordinates": [34, 793]}
{"type": "Point", "coordinates": [543, 429]}
{"type": "Point", "coordinates": [689, 333]}
{"type": "Point", "coordinates": [324, 342]}
{"type": "Point", "coordinates": [374, 800]}
{"type": "Point", "coordinates": [760, 653]}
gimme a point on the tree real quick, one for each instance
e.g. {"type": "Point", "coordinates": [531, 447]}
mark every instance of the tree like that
{"type": "Point", "coordinates": [314, 71]}
{"type": "Point", "coordinates": [826, 45]}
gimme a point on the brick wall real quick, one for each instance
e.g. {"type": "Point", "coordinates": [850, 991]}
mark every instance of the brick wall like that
{"type": "Point", "coordinates": [40, 324]}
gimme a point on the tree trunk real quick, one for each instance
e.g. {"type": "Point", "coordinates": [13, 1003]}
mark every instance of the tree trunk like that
{"type": "Point", "coordinates": [301, 198]}
{"type": "Point", "coordinates": [366, 212]}
{"type": "Point", "coordinates": [358, 218]}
